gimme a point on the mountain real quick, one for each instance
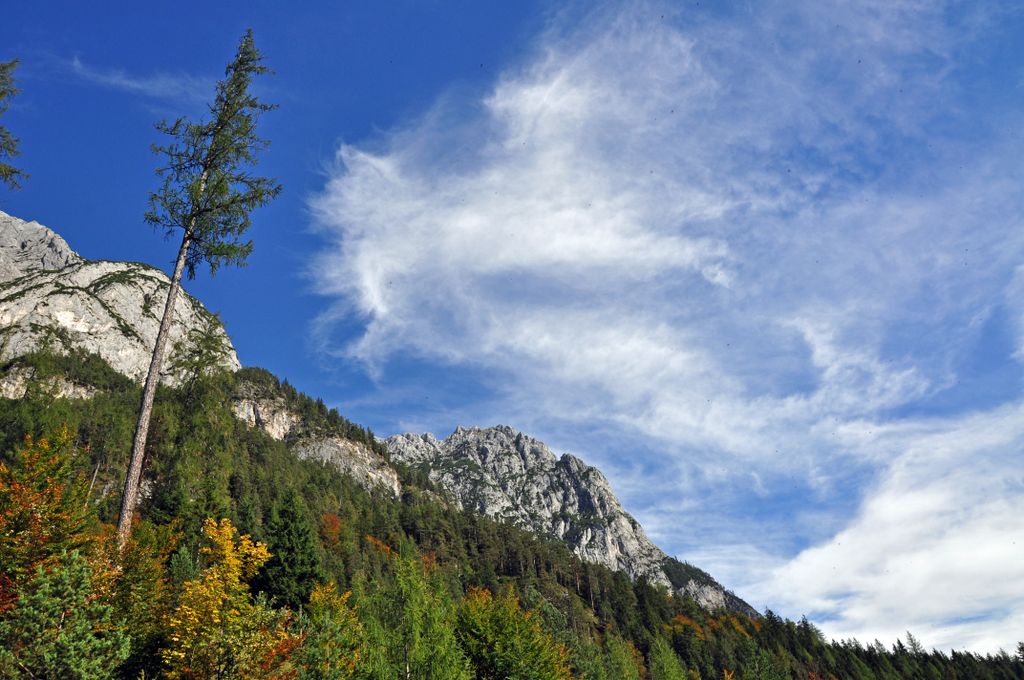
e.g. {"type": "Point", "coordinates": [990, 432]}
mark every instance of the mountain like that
{"type": "Point", "coordinates": [509, 476]}
{"type": "Point", "coordinates": [311, 431]}
{"type": "Point", "coordinates": [53, 299]}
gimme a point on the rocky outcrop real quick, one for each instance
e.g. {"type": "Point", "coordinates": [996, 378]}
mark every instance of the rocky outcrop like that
{"type": "Point", "coordinates": [51, 297]}
{"type": "Point", "coordinates": [504, 474]}
{"type": "Point", "coordinates": [509, 476]}
{"type": "Point", "coordinates": [15, 383]}
{"type": "Point", "coordinates": [354, 459]}
{"type": "Point", "coordinates": [270, 415]}
{"type": "Point", "coordinates": [28, 246]}
{"type": "Point", "coordinates": [266, 407]}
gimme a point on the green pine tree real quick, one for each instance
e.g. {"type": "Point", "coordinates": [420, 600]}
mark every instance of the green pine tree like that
{"type": "Point", "coordinates": [504, 642]}
{"type": "Point", "coordinates": [588, 660]}
{"type": "Point", "coordinates": [295, 566]}
{"type": "Point", "coordinates": [9, 174]}
{"type": "Point", "coordinates": [664, 664]}
{"type": "Point", "coordinates": [762, 666]}
{"type": "Point", "coordinates": [409, 627]}
{"type": "Point", "coordinates": [58, 629]}
{"type": "Point", "coordinates": [208, 193]}
{"type": "Point", "coordinates": [622, 659]}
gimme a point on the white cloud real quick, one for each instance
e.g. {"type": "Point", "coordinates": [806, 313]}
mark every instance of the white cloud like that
{"type": "Point", "coordinates": [935, 547]}
{"type": "Point", "coordinates": [165, 86]}
{"type": "Point", "coordinates": [748, 240]}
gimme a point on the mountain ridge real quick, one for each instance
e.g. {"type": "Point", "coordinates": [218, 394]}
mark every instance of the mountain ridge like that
{"type": "Point", "coordinates": [507, 475]}
{"type": "Point", "coordinates": [52, 298]}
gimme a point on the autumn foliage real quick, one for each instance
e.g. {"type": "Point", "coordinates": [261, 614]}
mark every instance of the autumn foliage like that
{"type": "Point", "coordinates": [217, 629]}
{"type": "Point", "coordinates": [42, 510]}
{"type": "Point", "coordinates": [383, 588]}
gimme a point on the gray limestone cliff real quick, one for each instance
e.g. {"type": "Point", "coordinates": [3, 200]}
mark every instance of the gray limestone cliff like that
{"type": "Point", "coordinates": [267, 405]}
{"type": "Point", "coordinates": [52, 297]}
{"type": "Point", "coordinates": [504, 474]}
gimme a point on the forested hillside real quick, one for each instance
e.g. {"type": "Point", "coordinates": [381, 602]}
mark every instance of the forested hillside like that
{"type": "Point", "coordinates": [250, 562]}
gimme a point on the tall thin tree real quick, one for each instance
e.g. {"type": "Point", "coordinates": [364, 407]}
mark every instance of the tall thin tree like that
{"type": "Point", "coordinates": [9, 174]}
{"type": "Point", "coordinates": [208, 192]}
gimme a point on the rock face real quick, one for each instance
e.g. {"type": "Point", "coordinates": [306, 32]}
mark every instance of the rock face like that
{"type": "Point", "coordinates": [504, 474]}
{"type": "Point", "coordinates": [354, 459]}
{"type": "Point", "coordinates": [15, 383]}
{"type": "Point", "coordinates": [263, 409]}
{"type": "Point", "coordinates": [50, 296]}
{"type": "Point", "coordinates": [270, 415]}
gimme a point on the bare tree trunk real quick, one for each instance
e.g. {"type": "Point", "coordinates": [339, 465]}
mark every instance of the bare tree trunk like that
{"type": "Point", "coordinates": [131, 482]}
{"type": "Point", "coordinates": [92, 483]}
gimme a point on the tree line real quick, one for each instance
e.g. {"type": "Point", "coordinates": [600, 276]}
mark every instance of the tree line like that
{"type": "Point", "coordinates": [246, 562]}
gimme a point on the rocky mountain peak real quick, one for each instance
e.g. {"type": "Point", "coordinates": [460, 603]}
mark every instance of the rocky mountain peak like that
{"type": "Point", "coordinates": [29, 246]}
{"type": "Point", "coordinates": [510, 476]}
{"type": "Point", "coordinates": [52, 297]}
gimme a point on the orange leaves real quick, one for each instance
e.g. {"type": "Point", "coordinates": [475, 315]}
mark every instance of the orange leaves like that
{"type": "Point", "coordinates": [478, 598]}
{"type": "Point", "coordinates": [738, 626]}
{"type": "Point", "coordinates": [330, 529]}
{"type": "Point", "coordinates": [43, 509]}
{"type": "Point", "coordinates": [381, 546]}
{"type": "Point", "coordinates": [681, 622]}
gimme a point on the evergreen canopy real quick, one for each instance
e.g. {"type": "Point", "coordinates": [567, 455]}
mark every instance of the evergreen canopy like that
{"type": "Point", "coordinates": [9, 174]}
{"type": "Point", "coordinates": [208, 189]}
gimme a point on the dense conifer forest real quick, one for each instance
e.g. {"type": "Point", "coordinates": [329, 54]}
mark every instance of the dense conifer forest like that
{"type": "Point", "coordinates": [247, 562]}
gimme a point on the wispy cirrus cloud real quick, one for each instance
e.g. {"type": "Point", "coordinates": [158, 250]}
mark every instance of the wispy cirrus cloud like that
{"type": "Point", "coordinates": [935, 546]}
{"type": "Point", "coordinates": [737, 246]}
{"type": "Point", "coordinates": [164, 86]}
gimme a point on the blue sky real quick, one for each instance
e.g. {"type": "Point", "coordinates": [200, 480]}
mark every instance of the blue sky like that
{"type": "Point", "coordinates": [761, 263]}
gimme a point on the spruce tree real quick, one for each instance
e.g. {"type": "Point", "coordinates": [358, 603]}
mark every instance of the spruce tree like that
{"type": "Point", "coordinates": [9, 174]}
{"type": "Point", "coordinates": [58, 629]}
{"type": "Point", "coordinates": [208, 193]}
{"type": "Point", "coordinates": [295, 566]}
{"type": "Point", "coordinates": [664, 664]}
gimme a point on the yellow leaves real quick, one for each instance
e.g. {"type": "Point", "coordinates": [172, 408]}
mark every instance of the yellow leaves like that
{"type": "Point", "coordinates": [217, 630]}
{"type": "Point", "coordinates": [326, 597]}
{"type": "Point", "coordinates": [235, 561]}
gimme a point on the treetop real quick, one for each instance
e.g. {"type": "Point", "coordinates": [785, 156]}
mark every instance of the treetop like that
{"type": "Point", "coordinates": [208, 188]}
